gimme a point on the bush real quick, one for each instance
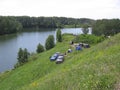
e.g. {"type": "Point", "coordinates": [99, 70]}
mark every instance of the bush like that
{"type": "Point", "coordinates": [49, 42]}
{"type": "Point", "coordinates": [40, 48]}
{"type": "Point", "coordinates": [17, 65]}
{"type": "Point", "coordinates": [90, 39]}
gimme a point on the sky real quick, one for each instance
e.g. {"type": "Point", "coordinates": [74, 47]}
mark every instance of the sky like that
{"type": "Point", "coordinates": [94, 9]}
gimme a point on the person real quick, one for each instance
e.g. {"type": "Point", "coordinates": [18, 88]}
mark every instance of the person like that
{"type": "Point", "coordinates": [65, 54]}
{"type": "Point", "coordinates": [78, 47]}
{"type": "Point", "coordinates": [69, 50]}
{"type": "Point", "coordinates": [71, 42]}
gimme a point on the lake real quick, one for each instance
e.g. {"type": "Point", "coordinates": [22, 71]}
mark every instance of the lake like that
{"type": "Point", "coordinates": [10, 44]}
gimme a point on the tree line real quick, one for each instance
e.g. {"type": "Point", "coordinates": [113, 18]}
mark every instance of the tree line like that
{"type": "Point", "coordinates": [13, 24]}
{"type": "Point", "coordinates": [51, 22]}
{"type": "Point", "coordinates": [106, 27]}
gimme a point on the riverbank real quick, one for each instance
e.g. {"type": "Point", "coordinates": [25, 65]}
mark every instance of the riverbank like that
{"type": "Point", "coordinates": [10, 44]}
{"type": "Point", "coordinates": [94, 68]}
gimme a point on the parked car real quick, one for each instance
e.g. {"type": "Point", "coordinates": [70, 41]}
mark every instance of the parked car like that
{"type": "Point", "coordinates": [54, 56]}
{"type": "Point", "coordinates": [60, 59]}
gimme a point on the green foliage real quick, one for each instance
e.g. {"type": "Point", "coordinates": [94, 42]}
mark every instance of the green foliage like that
{"type": "Point", "coordinates": [40, 48]}
{"type": "Point", "coordinates": [73, 26]}
{"type": "Point", "coordinates": [12, 24]}
{"type": "Point", "coordinates": [9, 25]}
{"type": "Point", "coordinates": [106, 27]}
{"type": "Point", "coordinates": [52, 22]}
{"type": "Point", "coordinates": [85, 29]}
{"type": "Point", "coordinates": [90, 39]}
{"type": "Point", "coordinates": [59, 35]}
{"type": "Point", "coordinates": [22, 57]}
{"type": "Point", "coordinates": [49, 42]}
{"type": "Point", "coordinates": [25, 55]}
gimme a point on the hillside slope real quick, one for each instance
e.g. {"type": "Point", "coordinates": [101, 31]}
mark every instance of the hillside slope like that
{"type": "Point", "coordinates": [97, 68]}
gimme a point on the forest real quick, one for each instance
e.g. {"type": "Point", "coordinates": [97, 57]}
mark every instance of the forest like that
{"type": "Point", "coordinates": [13, 24]}
{"type": "Point", "coordinates": [9, 25]}
{"type": "Point", "coordinates": [51, 22]}
{"type": "Point", "coordinates": [106, 27]}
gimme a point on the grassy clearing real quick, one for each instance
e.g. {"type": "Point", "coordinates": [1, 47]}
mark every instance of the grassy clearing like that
{"type": "Point", "coordinates": [97, 68]}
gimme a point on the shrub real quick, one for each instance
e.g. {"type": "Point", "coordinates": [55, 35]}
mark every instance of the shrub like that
{"type": "Point", "coordinates": [40, 48]}
{"type": "Point", "coordinates": [90, 39]}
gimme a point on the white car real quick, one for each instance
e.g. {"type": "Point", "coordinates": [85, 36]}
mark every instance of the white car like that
{"type": "Point", "coordinates": [60, 59]}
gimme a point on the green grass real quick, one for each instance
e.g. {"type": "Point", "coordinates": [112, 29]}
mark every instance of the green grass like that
{"type": "Point", "coordinates": [96, 68]}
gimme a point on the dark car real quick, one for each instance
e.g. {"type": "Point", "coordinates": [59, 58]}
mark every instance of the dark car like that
{"type": "Point", "coordinates": [60, 59]}
{"type": "Point", "coordinates": [54, 56]}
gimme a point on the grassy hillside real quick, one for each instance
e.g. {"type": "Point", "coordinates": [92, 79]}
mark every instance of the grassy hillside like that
{"type": "Point", "coordinates": [97, 68]}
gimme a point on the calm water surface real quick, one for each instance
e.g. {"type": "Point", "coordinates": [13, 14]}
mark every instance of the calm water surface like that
{"type": "Point", "coordinates": [10, 44]}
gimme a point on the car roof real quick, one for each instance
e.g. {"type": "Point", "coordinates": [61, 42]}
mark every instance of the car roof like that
{"type": "Point", "coordinates": [55, 54]}
{"type": "Point", "coordinates": [60, 56]}
{"type": "Point", "coordinates": [59, 59]}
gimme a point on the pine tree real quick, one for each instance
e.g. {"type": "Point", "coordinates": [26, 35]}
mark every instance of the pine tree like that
{"type": "Point", "coordinates": [25, 55]}
{"type": "Point", "coordinates": [59, 36]}
{"type": "Point", "coordinates": [22, 56]}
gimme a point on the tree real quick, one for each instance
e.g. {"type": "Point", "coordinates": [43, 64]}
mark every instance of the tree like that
{"type": "Point", "coordinates": [49, 42]}
{"type": "Point", "coordinates": [40, 48]}
{"type": "Point", "coordinates": [25, 55]}
{"type": "Point", "coordinates": [59, 36]}
{"type": "Point", "coordinates": [85, 29]}
{"type": "Point", "coordinates": [22, 56]}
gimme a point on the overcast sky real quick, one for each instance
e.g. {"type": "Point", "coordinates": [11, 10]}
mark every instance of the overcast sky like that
{"type": "Point", "coordinates": [94, 9]}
